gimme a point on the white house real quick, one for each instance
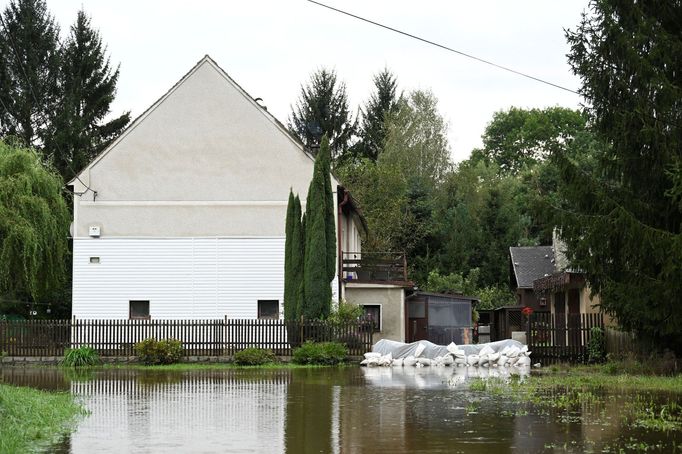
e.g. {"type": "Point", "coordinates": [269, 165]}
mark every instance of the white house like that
{"type": "Point", "coordinates": [183, 216]}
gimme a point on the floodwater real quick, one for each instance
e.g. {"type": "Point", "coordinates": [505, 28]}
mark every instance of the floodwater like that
{"type": "Point", "coordinates": [347, 410]}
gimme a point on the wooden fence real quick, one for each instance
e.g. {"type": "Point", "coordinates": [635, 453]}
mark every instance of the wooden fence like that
{"type": "Point", "coordinates": [561, 337]}
{"type": "Point", "coordinates": [199, 337]}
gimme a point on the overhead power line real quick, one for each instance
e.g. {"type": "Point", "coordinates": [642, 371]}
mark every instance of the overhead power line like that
{"type": "Point", "coordinates": [449, 49]}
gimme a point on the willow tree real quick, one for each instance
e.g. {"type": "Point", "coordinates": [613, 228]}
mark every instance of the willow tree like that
{"type": "Point", "coordinates": [34, 225]}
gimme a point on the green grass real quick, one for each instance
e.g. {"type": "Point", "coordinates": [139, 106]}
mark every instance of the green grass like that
{"type": "Point", "coordinates": [31, 419]}
{"type": "Point", "coordinates": [599, 376]}
{"type": "Point", "coordinates": [646, 401]}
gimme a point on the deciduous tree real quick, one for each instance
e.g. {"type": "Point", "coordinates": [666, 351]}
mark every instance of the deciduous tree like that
{"type": "Point", "coordinates": [34, 225]}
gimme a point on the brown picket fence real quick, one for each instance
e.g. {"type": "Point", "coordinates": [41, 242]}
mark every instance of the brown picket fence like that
{"type": "Point", "coordinates": [218, 337]}
{"type": "Point", "coordinates": [561, 337]}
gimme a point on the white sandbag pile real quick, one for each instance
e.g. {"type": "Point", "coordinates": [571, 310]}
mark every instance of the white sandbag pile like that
{"type": "Point", "coordinates": [505, 353]}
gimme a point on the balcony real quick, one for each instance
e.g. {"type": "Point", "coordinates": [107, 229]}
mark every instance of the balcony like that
{"type": "Point", "coordinates": [375, 267]}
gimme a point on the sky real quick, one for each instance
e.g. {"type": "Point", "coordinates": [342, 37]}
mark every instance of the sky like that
{"type": "Point", "coordinates": [271, 47]}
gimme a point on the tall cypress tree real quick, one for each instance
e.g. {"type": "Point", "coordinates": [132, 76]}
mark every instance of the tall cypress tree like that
{"type": "Point", "coordinates": [29, 69]}
{"type": "Point", "coordinates": [289, 282]}
{"type": "Point", "coordinates": [88, 84]}
{"type": "Point", "coordinates": [300, 266]}
{"type": "Point", "coordinates": [297, 253]}
{"type": "Point", "coordinates": [329, 221]}
{"type": "Point", "coordinates": [317, 287]}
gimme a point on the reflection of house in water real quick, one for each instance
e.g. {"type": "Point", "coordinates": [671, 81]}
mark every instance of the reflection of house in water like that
{"type": "Point", "coordinates": [217, 411]}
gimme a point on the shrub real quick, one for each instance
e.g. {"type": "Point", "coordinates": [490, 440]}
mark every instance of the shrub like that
{"type": "Point", "coordinates": [324, 353]}
{"type": "Point", "coordinates": [596, 347]}
{"type": "Point", "coordinates": [152, 351]}
{"type": "Point", "coordinates": [254, 357]}
{"type": "Point", "coordinates": [80, 357]}
{"type": "Point", "coordinates": [345, 313]}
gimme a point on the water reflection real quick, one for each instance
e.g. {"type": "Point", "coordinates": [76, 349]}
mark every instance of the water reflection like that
{"type": "Point", "coordinates": [351, 410]}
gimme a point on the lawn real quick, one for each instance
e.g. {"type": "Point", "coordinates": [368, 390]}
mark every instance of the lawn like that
{"type": "Point", "coordinates": [31, 419]}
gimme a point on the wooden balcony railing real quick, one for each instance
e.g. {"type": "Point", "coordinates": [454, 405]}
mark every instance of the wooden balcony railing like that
{"type": "Point", "coordinates": [374, 266]}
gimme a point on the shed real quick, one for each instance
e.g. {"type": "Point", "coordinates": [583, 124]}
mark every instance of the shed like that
{"type": "Point", "coordinates": [439, 318]}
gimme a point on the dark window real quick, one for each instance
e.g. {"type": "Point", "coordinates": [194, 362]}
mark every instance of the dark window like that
{"type": "Point", "coordinates": [373, 313]}
{"type": "Point", "coordinates": [139, 310]}
{"type": "Point", "coordinates": [268, 309]}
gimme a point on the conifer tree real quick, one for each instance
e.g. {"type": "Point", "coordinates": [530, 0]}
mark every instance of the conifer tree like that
{"type": "Point", "coordinates": [329, 207]}
{"type": "Point", "coordinates": [381, 103]}
{"type": "Point", "coordinates": [622, 216]}
{"type": "Point", "coordinates": [88, 86]}
{"type": "Point", "coordinates": [289, 282]}
{"type": "Point", "coordinates": [29, 71]}
{"type": "Point", "coordinates": [322, 109]}
{"type": "Point", "coordinates": [319, 267]}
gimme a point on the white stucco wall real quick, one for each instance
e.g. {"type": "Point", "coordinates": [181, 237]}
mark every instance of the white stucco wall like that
{"type": "Point", "coordinates": [204, 160]}
{"type": "Point", "coordinates": [191, 204]}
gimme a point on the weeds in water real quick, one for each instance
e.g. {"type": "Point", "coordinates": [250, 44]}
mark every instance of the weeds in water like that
{"type": "Point", "coordinates": [83, 356]}
{"type": "Point", "coordinates": [472, 408]}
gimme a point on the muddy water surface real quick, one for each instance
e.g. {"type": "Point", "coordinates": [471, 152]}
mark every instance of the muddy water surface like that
{"type": "Point", "coordinates": [348, 410]}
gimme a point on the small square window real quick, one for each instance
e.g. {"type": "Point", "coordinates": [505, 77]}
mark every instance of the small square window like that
{"type": "Point", "coordinates": [268, 309]}
{"type": "Point", "coordinates": [139, 310]}
{"type": "Point", "coordinates": [373, 314]}
{"type": "Point", "coordinates": [94, 259]}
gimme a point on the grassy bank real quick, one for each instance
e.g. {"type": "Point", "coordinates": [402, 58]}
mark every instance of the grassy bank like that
{"type": "Point", "coordinates": [30, 418]}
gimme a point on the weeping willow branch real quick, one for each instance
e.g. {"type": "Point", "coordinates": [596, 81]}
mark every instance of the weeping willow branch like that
{"type": "Point", "coordinates": [34, 223]}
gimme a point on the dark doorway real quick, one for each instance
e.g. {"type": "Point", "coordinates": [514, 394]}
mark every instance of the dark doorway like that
{"type": "Point", "coordinates": [574, 317]}
{"type": "Point", "coordinates": [560, 319]}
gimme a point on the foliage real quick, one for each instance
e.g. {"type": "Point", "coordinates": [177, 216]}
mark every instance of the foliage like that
{"type": "Point", "coordinates": [29, 71]}
{"type": "Point", "coordinates": [56, 97]}
{"type": "Point", "coordinates": [323, 353]}
{"type": "Point", "coordinates": [254, 357]}
{"type": "Point", "coordinates": [396, 192]}
{"type": "Point", "coordinates": [490, 297]}
{"type": "Point", "coordinates": [34, 225]}
{"type": "Point", "coordinates": [317, 263]}
{"type": "Point", "coordinates": [596, 346]}
{"type": "Point", "coordinates": [80, 357]}
{"type": "Point", "coordinates": [88, 86]}
{"type": "Point", "coordinates": [620, 216]}
{"type": "Point", "coordinates": [345, 313]}
{"type": "Point", "coordinates": [382, 103]}
{"type": "Point", "coordinates": [293, 259]}
{"type": "Point", "coordinates": [151, 351]}
{"type": "Point", "coordinates": [322, 109]}
{"type": "Point", "coordinates": [519, 138]}
{"type": "Point", "coordinates": [32, 419]}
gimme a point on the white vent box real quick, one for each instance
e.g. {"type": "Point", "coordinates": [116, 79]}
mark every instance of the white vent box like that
{"type": "Point", "coordinates": [94, 231]}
